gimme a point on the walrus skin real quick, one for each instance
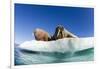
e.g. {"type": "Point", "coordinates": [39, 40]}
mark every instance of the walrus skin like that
{"type": "Point", "coordinates": [60, 32]}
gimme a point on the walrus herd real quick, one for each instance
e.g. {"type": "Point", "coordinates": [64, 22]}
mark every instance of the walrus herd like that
{"type": "Point", "coordinates": [60, 32]}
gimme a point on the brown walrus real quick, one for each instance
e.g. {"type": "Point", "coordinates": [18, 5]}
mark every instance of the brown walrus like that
{"type": "Point", "coordinates": [60, 33]}
{"type": "Point", "coordinates": [41, 35]}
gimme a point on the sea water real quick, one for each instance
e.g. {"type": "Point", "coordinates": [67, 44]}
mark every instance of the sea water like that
{"type": "Point", "coordinates": [59, 51]}
{"type": "Point", "coordinates": [28, 57]}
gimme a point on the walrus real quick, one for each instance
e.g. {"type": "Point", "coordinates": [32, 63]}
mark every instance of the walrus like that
{"type": "Point", "coordinates": [60, 32]}
{"type": "Point", "coordinates": [41, 35]}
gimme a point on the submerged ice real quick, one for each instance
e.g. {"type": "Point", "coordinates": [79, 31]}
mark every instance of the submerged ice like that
{"type": "Point", "coordinates": [62, 50]}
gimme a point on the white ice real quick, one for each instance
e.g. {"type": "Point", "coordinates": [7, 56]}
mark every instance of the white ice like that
{"type": "Point", "coordinates": [61, 45]}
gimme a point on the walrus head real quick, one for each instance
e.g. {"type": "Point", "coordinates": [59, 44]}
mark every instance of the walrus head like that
{"type": "Point", "coordinates": [59, 28]}
{"type": "Point", "coordinates": [59, 33]}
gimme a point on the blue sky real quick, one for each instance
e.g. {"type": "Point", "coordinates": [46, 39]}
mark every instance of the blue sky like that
{"type": "Point", "coordinates": [28, 17]}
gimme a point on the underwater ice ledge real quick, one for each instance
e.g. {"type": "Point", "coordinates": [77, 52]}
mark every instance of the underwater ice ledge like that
{"type": "Point", "coordinates": [61, 45]}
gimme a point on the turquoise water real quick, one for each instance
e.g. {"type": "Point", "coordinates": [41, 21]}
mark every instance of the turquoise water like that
{"type": "Point", "coordinates": [27, 57]}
